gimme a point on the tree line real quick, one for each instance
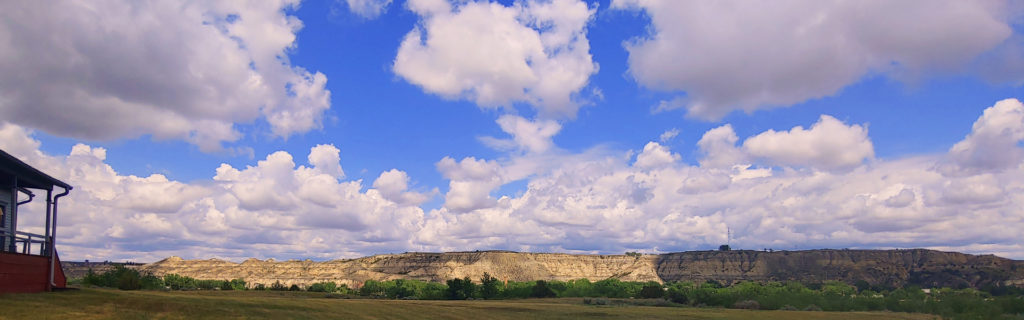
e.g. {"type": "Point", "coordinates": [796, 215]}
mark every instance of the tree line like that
{"type": "Point", "coordinates": [992, 302]}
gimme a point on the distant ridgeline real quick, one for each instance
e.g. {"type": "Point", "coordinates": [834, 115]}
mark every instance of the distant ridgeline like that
{"type": "Point", "coordinates": [78, 269]}
{"type": "Point", "coordinates": [885, 268]}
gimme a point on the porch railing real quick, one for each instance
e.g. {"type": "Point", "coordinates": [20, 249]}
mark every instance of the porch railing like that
{"type": "Point", "coordinates": [23, 241]}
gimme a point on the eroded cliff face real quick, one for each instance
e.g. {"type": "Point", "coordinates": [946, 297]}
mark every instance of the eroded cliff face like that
{"type": "Point", "coordinates": [882, 267]}
{"type": "Point", "coordinates": [894, 268]}
{"type": "Point", "coordinates": [512, 266]}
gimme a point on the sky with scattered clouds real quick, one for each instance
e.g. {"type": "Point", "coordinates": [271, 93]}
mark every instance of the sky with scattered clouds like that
{"type": "Point", "coordinates": [331, 129]}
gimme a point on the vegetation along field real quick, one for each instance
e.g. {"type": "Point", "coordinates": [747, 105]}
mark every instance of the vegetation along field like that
{"type": "Point", "coordinates": [117, 304]}
{"type": "Point", "coordinates": [125, 293]}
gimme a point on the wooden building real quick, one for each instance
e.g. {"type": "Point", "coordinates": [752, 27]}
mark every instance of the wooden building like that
{"type": "Point", "coordinates": [28, 261]}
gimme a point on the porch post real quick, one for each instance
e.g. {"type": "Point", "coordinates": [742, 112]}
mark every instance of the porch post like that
{"type": "Point", "coordinates": [46, 237]}
{"type": "Point", "coordinates": [48, 240]}
{"type": "Point", "coordinates": [53, 245]}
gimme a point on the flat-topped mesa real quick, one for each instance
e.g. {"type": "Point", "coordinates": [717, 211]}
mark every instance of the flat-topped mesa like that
{"type": "Point", "coordinates": [877, 267]}
{"type": "Point", "coordinates": [893, 268]}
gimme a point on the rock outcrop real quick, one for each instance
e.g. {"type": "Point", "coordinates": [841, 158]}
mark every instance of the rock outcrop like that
{"type": "Point", "coordinates": [878, 267]}
{"type": "Point", "coordinates": [891, 268]}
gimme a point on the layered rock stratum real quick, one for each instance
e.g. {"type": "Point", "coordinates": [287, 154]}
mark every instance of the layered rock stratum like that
{"type": "Point", "coordinates": [877, 267]}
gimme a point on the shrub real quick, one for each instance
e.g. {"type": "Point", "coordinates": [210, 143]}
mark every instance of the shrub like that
{"type": "Point", "coordinates": [129, 281]}
{"type": "Point", "coordinates": [238, 284]}
{"type": "Point", "coordinates": [323, 287]}
{"type": "Point", "coordinates": [651, 290]}
{"type": "Point", "coordinates": [541, 290]}
{"type": "Point", "coordinates": [746, 304]}
{"type": "Point", "coordinates": [278, 286]}
{"type": "Point", "coordinates": [595, 301]}
{"type": "Point", "coordinates": [294, 287]}
{"type": "Point", "coordinates": [460, 289]}
{"type": "Point", "coordinates": [177, 282]}
{"type": "Point", "coordinates": [488, 286]}
{"type": "Point", "coordinates": [151, 282]}
{"type": "Point", "coordinates": [812, 308]}
{"type": "Point", "coordinates": [788, 308]}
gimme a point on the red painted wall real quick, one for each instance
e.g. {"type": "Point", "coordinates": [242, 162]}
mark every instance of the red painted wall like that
{"type": "Point", "coordinates": [26, 273]}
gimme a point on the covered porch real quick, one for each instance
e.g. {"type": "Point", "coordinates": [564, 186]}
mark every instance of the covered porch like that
{"type": "Point", "coordinates": [28, 261]}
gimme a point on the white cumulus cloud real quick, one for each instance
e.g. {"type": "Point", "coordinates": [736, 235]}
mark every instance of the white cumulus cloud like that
{"type": "Point", "coordinates": [533, 52]}
{"type": "Point", "coordinates": [115, 69]}
{"type": "Point", "coordinates": [594, 201]}
{"type": "Point", "coordinates": [369, 9]}
{"type": "Point", "coordinates": [828, 144]}
{"type": "Point", "coordinates": [994, 141]}
{"type": "Point", "coordinates": [655, 155]}
{"type": "Point", "coordinates": [740, 55]}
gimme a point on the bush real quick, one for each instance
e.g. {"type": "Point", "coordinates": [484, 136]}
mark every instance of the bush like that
{"type": "Point", "coordinates": [151, 282]}
{"type": "Point", "coordinates": [596, 301]}
{"type": "Point", "coordinates": [488, 286]}
{"type": "Point", "coordinates": [788, 308]}
{"type": "Point", "coordinates": [122, 278]}
{"type": "Point", "coordinates": [541, 290]}
{"type": "Point", "coordinates": [460, 289]}
{"type": "Point", "coordinates": [177, 282]}
{"type": "Point", "coordinates": [812, 308]}
{"type": "Point", "coordinates": [651, 290]}
{"type": "Point", "coordinates": [238, 284]}
{"type": "Point", "coordinates": [129, 281]}
{"type": "Point", "coordinates": [323, 287]}
{"type": "Point", "coordinates": [278, 286]}
{"type": "Point", "coordinates": [294, 287]}
{"type": "Point", "coordinates": [747, 304]}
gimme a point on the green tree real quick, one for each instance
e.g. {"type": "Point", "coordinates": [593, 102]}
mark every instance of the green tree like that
{"type": "Point", "coordinates": [401, 289]}
{"type": "Point", "coordinates": [541, 290]}
{"type": "Point", "coordinates": [129, 280]}
{"type": "Point", "coordinates": [278, 286]}
{"type": "Point", "coordinates": [323, 287]}
{"type": "Point", "coordinates": [238, 284]}
{"type": "Point", "coordinates": [488, 286]}
{"type": "Point", "coordinates": [652, 290]}
{"type": "Point", "coordinates": [461, 289]}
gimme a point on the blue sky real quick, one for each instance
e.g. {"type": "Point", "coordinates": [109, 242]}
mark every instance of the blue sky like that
{"type": "Point", "coordinates": [529, 125]}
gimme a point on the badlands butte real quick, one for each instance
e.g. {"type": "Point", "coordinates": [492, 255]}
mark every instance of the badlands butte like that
{"type": "Point", "coordinates": [894, 268]}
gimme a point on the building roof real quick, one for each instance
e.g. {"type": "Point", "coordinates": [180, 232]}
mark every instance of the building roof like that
{"type": "Point", "coordinates": [28, 177]}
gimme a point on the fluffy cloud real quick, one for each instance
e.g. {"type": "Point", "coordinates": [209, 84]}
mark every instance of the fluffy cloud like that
{"type": "Point", "coordinates": [828, 144]}
{"type": "Point", "coordinates": [119, 69]}
{"type": "Point", "coordinates": [275, 208]}
{"type": "Point", "coordinates": [737, 55]}
{"type": "Point", "coordinates": [601, 203]}
{"type": "Point", "coordinates": [595, 201]}
{"type": "Point", "coordinates": [471, 182]}
{"type": "Point", "coordinates": [369, 9]}
{"type": "Point", "coordinates": [655, 155]}
{"type": "Point", "coordinates": [994, 141]}
{"type": "Point", "coordinates": [394, 185]}
{"type": "Point", "coordinates": [718, 147]}
{"type": "Point", "coordinates": [529, 136]}
{"type": "Point", "coordinates": [668, 135]}
{"type": "Point", "coordinates": [533, 52]}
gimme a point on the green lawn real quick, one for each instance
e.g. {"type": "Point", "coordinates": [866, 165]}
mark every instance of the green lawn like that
{"type": "Point", "coordinates": [106, 304]}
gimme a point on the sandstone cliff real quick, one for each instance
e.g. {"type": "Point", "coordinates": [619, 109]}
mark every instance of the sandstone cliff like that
{"type": "Point", "coordinates": [894, 268]}
{"type": "Point", "coordinates": [881, 267]}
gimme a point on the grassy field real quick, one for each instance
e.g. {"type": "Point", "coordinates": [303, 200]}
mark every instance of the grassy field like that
{"type": "Point", "coordinates": [115, 304]}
